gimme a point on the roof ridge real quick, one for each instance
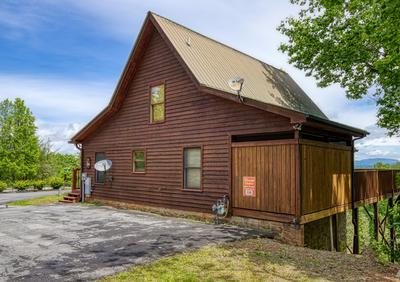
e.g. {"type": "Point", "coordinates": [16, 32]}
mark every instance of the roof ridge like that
{"type": "Point", "coordinates": [218, 42]}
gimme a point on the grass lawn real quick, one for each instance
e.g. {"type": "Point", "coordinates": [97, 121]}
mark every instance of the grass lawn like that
{"type": "Point", "coordinates": [45, 200]}
{"type": "Point", "coordinates": [260, 260]}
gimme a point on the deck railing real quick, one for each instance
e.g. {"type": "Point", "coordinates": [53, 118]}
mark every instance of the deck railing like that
{"type": "Point", "coordinates": [76, 178]}
{"type": "Point", "coordinates": [374, 183]}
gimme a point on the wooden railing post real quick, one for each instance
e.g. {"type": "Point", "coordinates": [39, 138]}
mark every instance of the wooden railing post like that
{"type": "Point", "coordinates": [78, 178]}
{"type": "Point", "coordinates": [74, 179]}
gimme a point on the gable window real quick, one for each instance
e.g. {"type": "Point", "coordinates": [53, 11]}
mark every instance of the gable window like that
{"type": "Point", "coordinates": [100, 175]}
{"type": "Point", "coordinates": [157, 103]}
{"type": "Point", "coordinates": [138, 161]}
{"type": "Point", "coordinates": [192, 168]}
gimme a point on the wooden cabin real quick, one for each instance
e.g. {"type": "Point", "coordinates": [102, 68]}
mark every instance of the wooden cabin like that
{"type": "Point", "coordinates": [179, 137]}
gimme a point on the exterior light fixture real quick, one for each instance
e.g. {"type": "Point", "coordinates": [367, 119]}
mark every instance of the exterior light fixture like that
{"type": "Point", "coordinates": [88, 163]}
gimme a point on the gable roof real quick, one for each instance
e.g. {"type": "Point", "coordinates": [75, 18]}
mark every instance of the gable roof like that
{"type": "Point", "coordinates": [213, 64]}
{"type": "Point", "coordinates": [210, 65]}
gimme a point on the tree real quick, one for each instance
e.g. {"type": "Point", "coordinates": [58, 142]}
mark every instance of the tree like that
{"type": "Point", "coordinates": [19, 145]}
{"type": "Point", "coordinates": [387, 166]}
{"type": "Point", "coordinates": [54, 164]}
{"type": "Point", "coordinates": [355, 43]}
{"type": "Point", "coordinates": [45, 169]}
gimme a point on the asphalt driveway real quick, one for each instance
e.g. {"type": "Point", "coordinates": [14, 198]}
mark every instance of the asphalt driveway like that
{"type": "Point", "coordinates": [80, 242]}
{"type": "Point", "coordinates": [15, 196]}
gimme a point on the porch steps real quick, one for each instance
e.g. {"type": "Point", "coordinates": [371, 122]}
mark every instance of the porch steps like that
{"type": "Point", "coordinates": [72, 197]}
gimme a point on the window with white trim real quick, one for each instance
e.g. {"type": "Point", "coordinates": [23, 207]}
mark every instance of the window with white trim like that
{"type": "Point", "coordinates": [157, 103]}
{"type": "Point", "coordinates": [192, 168]}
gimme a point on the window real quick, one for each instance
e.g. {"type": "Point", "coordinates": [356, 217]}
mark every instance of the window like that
{"type": "Point", "coordinates": [100, 175]}
{"type": "Point", "coordinates": [157, 101]}
{"type": "Point", "coordinates": [139, 161]}
{"type": "Point", "coordinates": [192, 168]}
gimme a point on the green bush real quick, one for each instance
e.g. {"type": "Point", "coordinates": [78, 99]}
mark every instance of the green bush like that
{"type": "Point", "coordinates": [55, 182]}
{"type": "Point", "coordinates": [3, 186]}
{"type": "Point", "coordinates": [398, 180]}
{"type": "Point", "coordinates": [38, 184]}
{"type": "Point", "coordinates": [21, 185]}
{"type": "Point", "coordinates": [68, 182]}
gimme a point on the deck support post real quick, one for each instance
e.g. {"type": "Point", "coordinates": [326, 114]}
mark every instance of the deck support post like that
{"type": "Point", "coordinates": [334, 233]}
{"type": "Point", "coordinates": [356, 243]}
{"type": "Point", "coordinates": [353, 199]}
{"type": "Point", "coordinates": [392, 235]}
{"type": "Point", "coordinates": [376, 221]}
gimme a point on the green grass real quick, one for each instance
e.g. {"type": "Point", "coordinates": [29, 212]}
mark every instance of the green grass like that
{"type": "Point", "coordinates": [366, 232]}
{"type": "Point", "coordinates": [207, 264]}
{"type": "Point", "coordinates": [92, 203]}
{"type": "Point", "coordinates": [45, 200]}
{"type": "Point", "coordinates": [257, 260]}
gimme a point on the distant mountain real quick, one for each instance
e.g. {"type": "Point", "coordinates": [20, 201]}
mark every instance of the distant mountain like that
{"type": "Point", "coordinates": [369, 163]}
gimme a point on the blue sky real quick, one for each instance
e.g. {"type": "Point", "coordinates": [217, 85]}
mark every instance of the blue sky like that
{"type": "Point", "coordinates": [65, 57]}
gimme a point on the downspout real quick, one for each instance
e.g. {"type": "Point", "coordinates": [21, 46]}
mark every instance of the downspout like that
{"type": "Point", "coordinates": [79, 146]}
{"type": "Point", "coordinates": [297, 127]}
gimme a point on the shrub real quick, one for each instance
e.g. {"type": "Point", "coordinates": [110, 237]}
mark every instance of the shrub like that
{"type": "Point", "coordinates": [55, 182]}
{"type": "Point", "coordinates": [3, 186]}
{"type": "Point", "coordinates": [397, 180]}
{"type": "Point", "coordinates": [21, 185]}
{"type": "Point", "coordinates": [68, 182]}
{"type": "Point", "coordinates": [38, 184]}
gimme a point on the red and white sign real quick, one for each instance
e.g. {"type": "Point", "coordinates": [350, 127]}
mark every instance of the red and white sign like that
{"type": "Point", "coordinates": [249, 186]}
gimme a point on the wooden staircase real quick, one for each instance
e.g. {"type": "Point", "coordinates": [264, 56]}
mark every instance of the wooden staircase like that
{"type": "Point", "coordinates": [73, 197]}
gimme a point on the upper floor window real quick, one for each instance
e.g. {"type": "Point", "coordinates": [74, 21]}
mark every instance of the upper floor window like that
{"type": "Point", "coordinates": [100, 175]}
{"type": "Point", "coordinates": [157, 101]}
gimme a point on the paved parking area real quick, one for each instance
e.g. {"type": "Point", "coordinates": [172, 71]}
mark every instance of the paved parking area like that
{"type": "Point", "coordinates": [82, 242]}
{"type": "Point", "coordinates": [15, 196]}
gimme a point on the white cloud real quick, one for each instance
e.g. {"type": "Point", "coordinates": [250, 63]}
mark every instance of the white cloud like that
{"type": "Point", "coordinates": [11, 19]}
{"type": "Point", "coordinates": [17, 20]}
{"type": "Point", "coordinates": [378, 144]}
{"type": "Point", "coordinates": [55, 98]}
{"type": "Point", "coordinates": [61, 107]}
{"type": "Point", "coordinates": [58, 134]}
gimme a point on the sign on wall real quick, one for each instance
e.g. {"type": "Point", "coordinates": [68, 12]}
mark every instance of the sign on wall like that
{"type": "Point", "coordinates": [249, 186]}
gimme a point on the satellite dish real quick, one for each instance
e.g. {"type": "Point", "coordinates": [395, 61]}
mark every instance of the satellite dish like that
{"type": "Point", "coordinates": [236, 83]}
{"type": "Point", "coordinates": [103, 165]}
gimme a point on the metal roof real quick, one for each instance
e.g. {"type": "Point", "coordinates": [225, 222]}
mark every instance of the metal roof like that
{"type": "Point", "coordinates": [213, 64]}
